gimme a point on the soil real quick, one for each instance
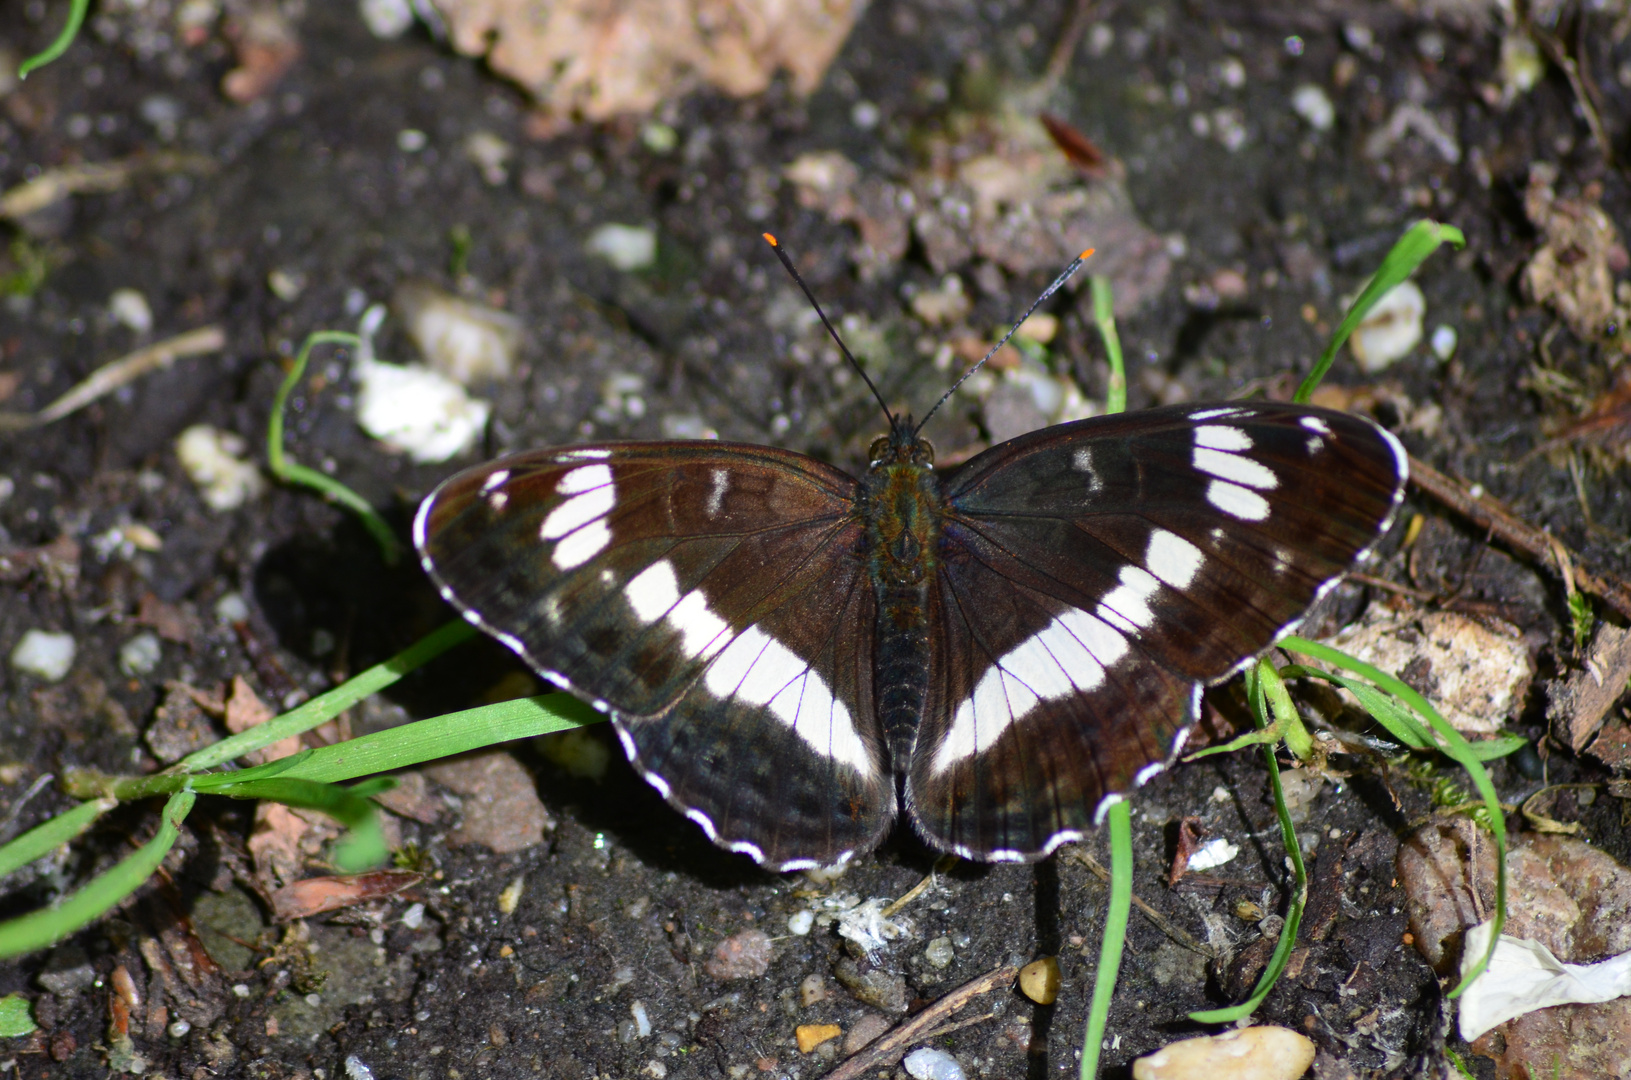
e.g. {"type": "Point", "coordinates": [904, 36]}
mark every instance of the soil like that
{"type": "Point", "coordinates": [626, 901]}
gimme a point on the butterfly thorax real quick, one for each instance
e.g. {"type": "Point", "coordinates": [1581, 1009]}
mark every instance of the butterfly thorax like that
{"type": "Point", "coordinates": [901, 506]}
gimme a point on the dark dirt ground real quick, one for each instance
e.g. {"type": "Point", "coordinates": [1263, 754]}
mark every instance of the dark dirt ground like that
{"type": "Point", "coordinates": [626, 900]}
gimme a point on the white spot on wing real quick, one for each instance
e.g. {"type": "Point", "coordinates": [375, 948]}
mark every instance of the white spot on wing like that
{"type": "Point", "coordinates": [1314, 423]}
{"type": "Point", "coordinates": [1235, 469]}
{"type": "Point", "coordinates": [1219, 437]}
{"type": "Point", "coordinates": [1082, 461]}
{"type": "Point", "coordinates": [586, 478]}
{"type": "Point", "coordinates": [582, 545]}
{"type": "Point", "coordinates": [1236, 501]}
{"type": "Point", "coordinates": [1127, 606]}
{"type": "Point", "coordinates": [1212, 414]}
{"type": "Point", "coordinates": [587, 453]}
{"type": "Point", "coordinates": [653, 591]}
{"type": "Point", "coordinates": [1314, 444]}
{"type": "Point", "coordinates": [496, 480]}
{"type": "Point", "coordinates": [700, 629]}
{"type": "Point", "coordinates": [1065, 657]}
{"type": "Point", "coordinates": [756, 669]}
{"type": "Point", "coordinates": [497, 500]}
{"type": "Point", "coordinates": [716, 495]}
{"type": "Point", "coordinates": [592, 497]}
{"type": "Point", "coordinates": [1172, 558]}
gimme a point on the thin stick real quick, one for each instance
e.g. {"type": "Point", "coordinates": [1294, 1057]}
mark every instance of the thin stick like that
{"type": "Point", "coordinates": [1162, 923]}
{"type": "Point", "coordinates": [1502, 524]}
{"type": "Point", "coordinates": [922, 1025]}
{"type": "Point", "coordinates": [121, 372]}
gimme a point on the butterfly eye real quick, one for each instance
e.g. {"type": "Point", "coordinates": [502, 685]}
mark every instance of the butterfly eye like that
{"type": "Point", "coordinates": [879, 449]}
{"type": "Point", "coordinates": [923, 453]}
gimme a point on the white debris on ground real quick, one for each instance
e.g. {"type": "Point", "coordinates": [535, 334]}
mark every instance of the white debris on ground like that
{"type": "Point", "coordinates": [411, 408]}
{"type": "Point", "coordinates": [44, 655]}
{"type": "Point", "coordinates": [1313, 104]}
{"type": "Point", "coordinates": [468, 342]}
{"type": "Point", "coordinates": [1213, 854]}
{"type": "Point", "coordinates": [213, 460]}
{"type": "Point", "coordinates": [932, 1063]}
{"type": "Point", "coordinates": [626, 247]}
{"type": "Point", "coordinates": [141, 654]}
{"type": "Point", "coordinates": [1524, 976]}
{"type": "Point", "coordinates": [129, 308]}
{"type": "Point", "coordinates": [1391, 329]}
{"type": "Point", "coordinates": [863, 922]}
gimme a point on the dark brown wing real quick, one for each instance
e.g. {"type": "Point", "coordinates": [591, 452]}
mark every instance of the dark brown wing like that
{"type": "Point", "coordinates": [710, 597]}
{"type": "Point", "coordinates": [1095, 575]}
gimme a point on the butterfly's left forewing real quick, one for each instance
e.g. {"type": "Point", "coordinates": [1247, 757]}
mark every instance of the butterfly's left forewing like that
{"type": "Point", "coordinates": [1095, 575]}
{"type": "Point", "coordinates": [693, 591]}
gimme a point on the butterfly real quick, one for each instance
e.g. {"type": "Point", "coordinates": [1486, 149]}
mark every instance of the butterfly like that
{"type": "Point", "coordinates": [793, 656]}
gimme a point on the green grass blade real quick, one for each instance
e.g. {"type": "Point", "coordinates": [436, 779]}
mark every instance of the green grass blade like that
{"type": "Point", "coordinates": [1411, 250]}
{"type": "Point", "coordinates": [47, 837]}
{"type": "Point", "coordinates": [441, 736]}
{"type": "Point", "coordinates": [1399, 721]}
{"type": "Point", "coordinates": [291, 473]}
{"type": "Point", "coordinates": [1104, 317]}
{"type": "Point", "coordinates": [49, 925]}
{"type": "Point", "coordinates": [76, 19]}
{"type": "Point", "coordinates": [325, 707]}
{"type": "Point", "coordinates": [1118, 818]}
{"type": "Point", "coordinates": [1457, 747]}
{"type": "Point", "coordinates": [1260, 688]}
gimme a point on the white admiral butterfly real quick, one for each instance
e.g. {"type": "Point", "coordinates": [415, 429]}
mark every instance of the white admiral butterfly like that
{"type": "Point", "coordinates": [1021, 638]}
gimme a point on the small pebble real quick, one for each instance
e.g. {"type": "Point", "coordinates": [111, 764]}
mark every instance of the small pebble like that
{"type": "Point", "coordinates": [864, 1031]}
{"type": "Point", "coordinates": [231, 608]}
{"type": "Point", "coordinates": [810, 1036]}
{"type": "Point", "coordinates": [1443, 341]}
{"type": "Point", "coordinates": [355, 1069]}
{"type": "Point", "coordinates": [642, 1019]}
{"type": "Point", "coordinates": [414, 917]}
{"type": "Point", "coordinates": [44, 655]}
{"type": "Point", "coordinates": [129, 308]}
{"type": "Point", "coordinates": [1391, 330]}
{"type": "Point", "coordinates": [491, 156]}
{"type": "Point", "coordinates": [626, 247]}
{"type": "Point", "coordinates": [286, 285]}
{"type": "Point", "coordinates": [1253, 1053]}
{"type": "Point", "coordinates": [509, 898]}
{"type": "Point", "coordinates": [468, 342]}
{"type": "Point", "coordinates": [1039, 980]}
{"type": "Point", "coordinates": [386, 19]}
{"type": "Point", "coordinates": [659, 137]}
{"type": "Point", "coordinates": [179, 1029]}
{"type": "Point", "coordinates": [800, 923]}
{"type": "Point", "coordinates": [932, 1063]}
{"type": "Point", "coordinates": [741, 956]}
{"type": "Point", "coordinates": [1313, 104]}
{"type": "Point", "coordinates": [939, 952]}
{"type": "Point", "coordinates": [411, 140]}
{"type": "Point", "coordinates": [865, 115]}
{"type": "Point", "coordinates": [213, 459]}
{"type": "Point", "coordinates": [812, 990]}
{"type": "Point", "coordinates": [141, 654]}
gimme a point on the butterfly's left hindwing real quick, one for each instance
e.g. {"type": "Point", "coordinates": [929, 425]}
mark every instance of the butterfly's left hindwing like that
{"type": "Point", "coordinates": [689, 589]}
{"type": "Point", "coordinates": [1095, 574]}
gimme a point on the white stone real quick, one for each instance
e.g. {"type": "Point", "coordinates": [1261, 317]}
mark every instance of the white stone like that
{"type": "Point", "coordinates": [44, 655]}
{"type": "Point", "coordinates": [932, 1063]}
{"type": "Point", "coordinates": [1391, 329]}
{"type": "Point", "coordinates": [128, 307]}
{"type": "Point", "coordinates": [1311, 102]}
{"type": "Point", "coordinates": [800, 923]}
{"type": "Point", "coordinates": [141, 654]}
{"type": "Point", "coordinates": [231, 608]}
{"type": "Point", "coordinates": [212, 458]}
{"type": "Point", "coordinates": [465, 341]}
{"type": "Point", "coordinates": [627, 247]}
{"type": "Point", "coordinates": [1253, 1053]}
{"type": "Point", "coordinates": [1443, 341]}
{"type": "Point", "coordinates": [417, 411]}
{"type": "Point", "coordinates": [386, 19]}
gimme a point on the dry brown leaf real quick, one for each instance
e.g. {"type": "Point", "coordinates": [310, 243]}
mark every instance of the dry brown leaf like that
{"type": "Point", "coordinates": [597, 58]}
{"type": "Point", "coordinates": [314, 896]}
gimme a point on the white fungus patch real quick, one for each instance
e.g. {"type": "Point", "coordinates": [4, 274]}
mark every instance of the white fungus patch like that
{"type": "Point", "coordinates": [213, 460]}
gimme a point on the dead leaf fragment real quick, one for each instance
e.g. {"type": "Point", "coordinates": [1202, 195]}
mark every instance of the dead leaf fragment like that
{"type": "Point", "coordinates": [316, 895]}
{"type": "Point", "coordinates": [1579, 705]}
{"type": "Point", "coordinates": [593, 59]}
{"type": "Point", "coordinates": [1574, 269]}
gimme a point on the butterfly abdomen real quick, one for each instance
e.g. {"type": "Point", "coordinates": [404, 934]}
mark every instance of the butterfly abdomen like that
{"type": "Point", "coordinates": [902, 507]}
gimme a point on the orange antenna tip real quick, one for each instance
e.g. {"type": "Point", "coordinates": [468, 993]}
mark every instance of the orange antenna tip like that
{"type": "Point", "coordinates": [1087, 254]}
{"type": "Point", "coordinates": [771, 240]}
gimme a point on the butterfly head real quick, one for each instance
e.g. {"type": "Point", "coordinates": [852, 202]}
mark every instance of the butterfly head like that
{"type": "Point", "coordinates": [902, 446]}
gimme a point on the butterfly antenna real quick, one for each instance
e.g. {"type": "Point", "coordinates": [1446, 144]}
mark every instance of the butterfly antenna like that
{"type": "Point", "coordinates": [1058, 283]}
{"type": "Point", "coordinates": [791, 269]}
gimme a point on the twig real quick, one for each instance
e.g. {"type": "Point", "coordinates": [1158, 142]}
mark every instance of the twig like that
{"type": "Point", "coordinates": [923, 1025]}
{"type": "Point", "coordinates": [1584, 94]}
{"type": "Point", "coordinates": [91, 177]}
{"type": "Point", "coordinates": [1162, 923]}
{"type": "Point", "coordinates": [121, 372]}
{"type": "Point", "coordinates": [1065, 50]}
{"type": "Point", "coordinates": [1502, 524]}
{"type": "Point", "coordinates": [915, 891]}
